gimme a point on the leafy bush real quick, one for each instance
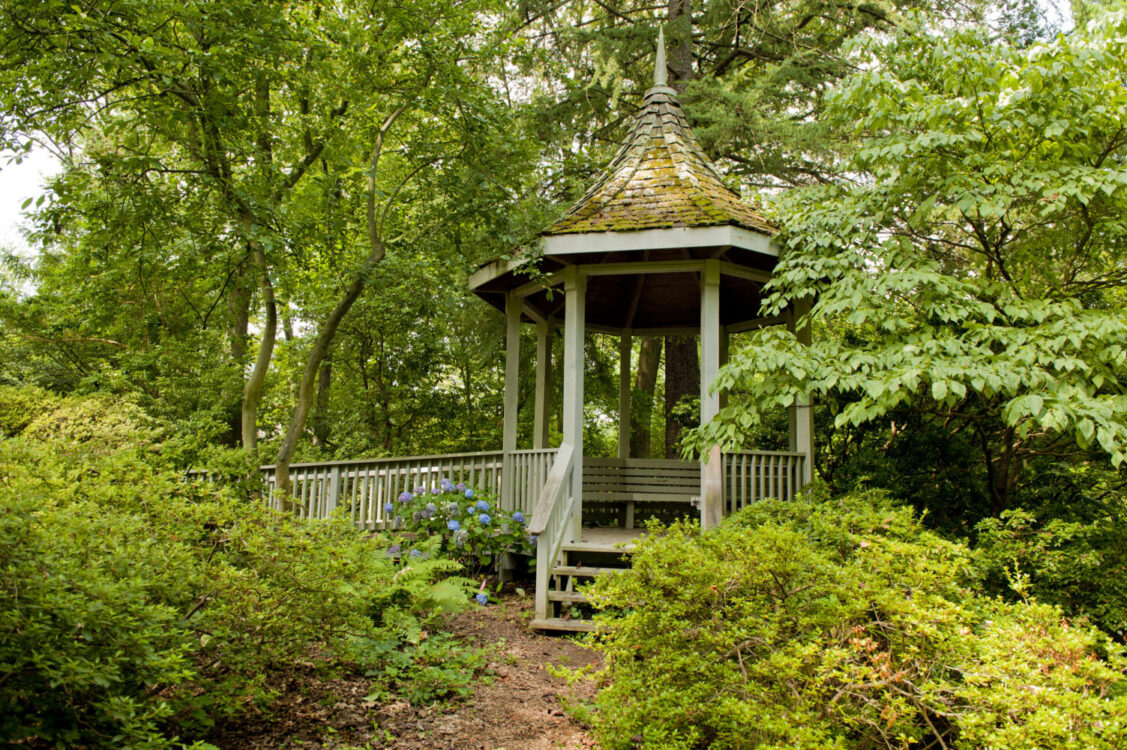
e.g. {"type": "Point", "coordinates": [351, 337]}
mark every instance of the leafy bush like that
{"type": "Point", "coordinates": [20, 405]}
{"type": "Point", "coordinates": [472, 528]}
{"type": "Point", "coordinates": [135, 606]}
{"type": "Point", "coordinates": [844, 624]}
{"type": "Point", "coordinates": [1079, 563]}
{"type": "Point", "coordinates": [96, 424]}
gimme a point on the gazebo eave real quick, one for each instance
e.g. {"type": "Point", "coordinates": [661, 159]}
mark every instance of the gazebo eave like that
{"type": "Point", "coordinates": [723, 235]}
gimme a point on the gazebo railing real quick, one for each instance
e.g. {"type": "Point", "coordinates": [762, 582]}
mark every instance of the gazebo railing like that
{"type": "Point", "coordinates": [363, 487]}
{"type": "Point", "coordinates": [754, 475]}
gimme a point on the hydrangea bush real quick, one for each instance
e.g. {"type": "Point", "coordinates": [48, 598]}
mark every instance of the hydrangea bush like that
{"type": "Point", "coordinates": [472, 527]}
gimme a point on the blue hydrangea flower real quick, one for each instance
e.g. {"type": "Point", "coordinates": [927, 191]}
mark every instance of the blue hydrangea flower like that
{"type": "Point", "coordinates": [453, 525]}
{"type": "Point", "coordinates": [389, 506]}
{"type": "Point", "coordinates": [484, 518]}
{"type": "Point", "coordinates": [416, 553]}
{"type": "Point", "coordinates": [446, 485]}
{"type": "Point", "coordinates": [431, 508]}
{"type": "Point", "coordinates": [518, 517]}
{"type": "Point", "coordinates": [482, 505]}
{"type": "Point", "coordinates": [393, 550]}
{"type": "Point", "coordinates": [405, 497]}
{"type": "Point", "coordinates": [470, 509]}
{"type": "Point", "coordinates": [469, 494]}
{"type": "Point", "coordinates": [460, 486]}
{"type": "Point", "coordinates": [452, 508]}
{"type": "Point", "coordinates": [435, 491]}
{"type": "Point", "coordinates": [482, 598]}
{"type": "Point", "coordinates": [532, 540]}
{"type": "Point", "coordinates": [419, 490]}
{"type": "Point", "coordinates": [397, 523]}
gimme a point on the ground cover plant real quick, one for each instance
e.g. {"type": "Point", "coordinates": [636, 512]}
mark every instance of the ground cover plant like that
{"type": "Point", "coordinates": [136, 607]}
{"type": "Point", "coordinates": [840, 622]}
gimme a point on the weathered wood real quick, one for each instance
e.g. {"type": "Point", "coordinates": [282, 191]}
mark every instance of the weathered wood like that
{"type": "Point", "coordinates": [575, 301]}
{"type": "Point", "coordinates": [543, 403]}
{"type": "Point", "coordinates": [711, 482]}
{"type": "Point", "coordinates": [551, 521]}
{"type": "Point", "coordinates": [625, 350]}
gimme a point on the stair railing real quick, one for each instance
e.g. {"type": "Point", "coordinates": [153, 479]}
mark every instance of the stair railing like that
{"type": "Point", "coordinates": [551, 521]}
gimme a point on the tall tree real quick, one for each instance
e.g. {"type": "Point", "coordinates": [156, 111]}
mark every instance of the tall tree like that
{"type": "Point", "coordinates": [982, 255]}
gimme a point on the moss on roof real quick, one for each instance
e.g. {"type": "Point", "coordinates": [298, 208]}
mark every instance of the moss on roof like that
{"type": "Point", "coordinates": [659, 179]}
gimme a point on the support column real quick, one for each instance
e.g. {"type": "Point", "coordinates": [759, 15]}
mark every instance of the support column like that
{"type": "Point", "coordinates": [724, 344]}
{"type": "Point", "coordinates": [575, 300]}
{"type": "Point", "coordinates": [625, 350]}
{"type": "Point", "coordinates": [711, 481]}
{"type": "Point", "coordinates": [512, 387]}
{"type": "Point", "coordinates": [802, 413]}
{"type": "Point", "coordinates": [543, 383]}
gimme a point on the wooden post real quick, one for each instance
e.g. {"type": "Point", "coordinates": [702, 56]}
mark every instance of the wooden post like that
{"type": "Point", "coordinates": [724, 344]}
{"type": "Point", "coordinates": [512, 387]}
{"type": "Point", "coordinates": [543, 383]}
{"type": "Point", "coordinates": [802, 413]}
{"type": "Point", "coordinates": [625, 349]}
{"type": "Point", "coordinates": [711, 483]}
{"type": "Point", "coordinates": [575, 299]}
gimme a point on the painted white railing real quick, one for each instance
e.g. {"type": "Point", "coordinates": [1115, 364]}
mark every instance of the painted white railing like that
{"type": "Point", "coordinates": [754, 475]}
{"type": "Point", "coordinates": [552, 520]}
{"type": "Point", "coordinates": [528, 471]}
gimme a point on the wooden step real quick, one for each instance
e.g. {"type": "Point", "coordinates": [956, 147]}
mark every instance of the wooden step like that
{"type": "Point", "coordinates": [574, 597]}
{"type": "Point", "coordinates": [558, 623]}
{"type": "Point", "coordinates": [582, 570]}
{"type": "Point", "coordinates": [609, 540]}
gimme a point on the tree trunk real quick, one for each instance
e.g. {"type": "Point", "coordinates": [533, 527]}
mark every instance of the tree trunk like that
{"type": "Point", "coordinates": [322, 425]}
{"type": "Point", "coordinates": [252, 392]}
{"type": "Point", "coordinates": [680, 44]}
{"type": "Point", "coordinates": [642, 397]}
{"type": "Point", "coordinates": [325, 336]}
{"type": "Point", "coordinates": [238, 321]}
{"type": "Point", "coordinates": [682, 378]}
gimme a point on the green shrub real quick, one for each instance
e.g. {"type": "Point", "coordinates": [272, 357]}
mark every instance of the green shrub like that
{"type": "Point", "coordinates": [20, 405]}
{"type": "Point", "coordinates": [838, 624]}
{"type": "Point", "coordinates": [97, 424]}
{"type": "Point", "coordinates": [1078, 563]}
{"type": "Point", "coordinates": [135, 606]}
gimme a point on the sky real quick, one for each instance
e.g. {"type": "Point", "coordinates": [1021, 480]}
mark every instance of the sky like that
{"type": "Point", "coordinates": [18, 182]}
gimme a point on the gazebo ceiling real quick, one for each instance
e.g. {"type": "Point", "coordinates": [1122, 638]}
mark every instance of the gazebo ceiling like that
{"type": "Point", "coordinates": [642, 234]}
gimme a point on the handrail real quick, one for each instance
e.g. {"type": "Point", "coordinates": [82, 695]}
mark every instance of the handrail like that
{"type": "Point", "coordinates": [561, 468]}
{"type": "Point", "coordinates": [551, 520]}
{"type": "Point", "coordinates": [389, 459]}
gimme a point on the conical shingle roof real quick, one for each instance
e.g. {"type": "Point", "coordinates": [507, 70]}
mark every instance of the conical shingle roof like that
{"type": "Point", "coordinates": [660, 178]}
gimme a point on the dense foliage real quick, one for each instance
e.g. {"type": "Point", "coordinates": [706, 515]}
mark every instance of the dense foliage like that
{"type": "Point", "coordinates": [840, 623]}
{"type": "Point", "coordinates": [975, 274]}
{"type": "Point", "coordinates": [135, 606]}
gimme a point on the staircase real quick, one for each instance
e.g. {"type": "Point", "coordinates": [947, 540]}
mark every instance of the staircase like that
{"type": "Point", "coordinates": [597, 552]}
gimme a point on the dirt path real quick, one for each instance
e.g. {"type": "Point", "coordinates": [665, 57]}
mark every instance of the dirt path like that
{"type": "Point", "coordinates": [519, 709]}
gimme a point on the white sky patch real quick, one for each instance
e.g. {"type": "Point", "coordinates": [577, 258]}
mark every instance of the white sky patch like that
{"type": "Point", "coordinates": [18, 182]}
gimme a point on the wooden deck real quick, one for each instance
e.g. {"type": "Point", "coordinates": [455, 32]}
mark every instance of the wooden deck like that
{"type": "Point", "coordinates": [605, 539]}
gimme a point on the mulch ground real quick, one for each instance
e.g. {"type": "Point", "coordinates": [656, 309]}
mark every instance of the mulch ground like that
{"type": "Point", "coordinates": [518, 709]}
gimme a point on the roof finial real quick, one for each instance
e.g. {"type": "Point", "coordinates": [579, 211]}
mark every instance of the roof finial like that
{"type": "Point", "coordinates": [659, 64]}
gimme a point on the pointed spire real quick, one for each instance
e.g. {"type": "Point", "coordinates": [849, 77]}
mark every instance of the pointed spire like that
{"type": "Point", "coordinates": [660, 68]}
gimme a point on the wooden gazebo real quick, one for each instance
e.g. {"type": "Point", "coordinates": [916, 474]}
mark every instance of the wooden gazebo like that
{"type": "Point", "coordinates": [659, 246]}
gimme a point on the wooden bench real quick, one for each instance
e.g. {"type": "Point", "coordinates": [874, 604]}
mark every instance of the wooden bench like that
{"type": "Point", "coordinates": [613, 486]}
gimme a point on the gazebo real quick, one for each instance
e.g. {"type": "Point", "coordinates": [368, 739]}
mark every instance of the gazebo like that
{"type": "Point", "coordinates": [659, 246]}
